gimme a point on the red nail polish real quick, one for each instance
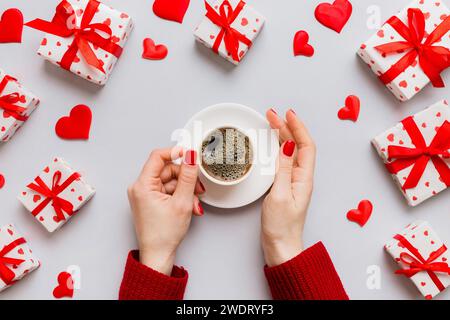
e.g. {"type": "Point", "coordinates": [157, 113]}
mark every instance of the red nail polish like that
{"type": "Point", "coordinates": [289, 148]}
{"type": "Point", "coordinates": [273, 110]}
{"type": "Point", "coordinates": [200, 209]}
{"type": "Point", "coordinates": [190, 158]}
{"type": "Point", "coordinates": [293, 111]}
{"type": "Point", "coordinates": [201, 185]}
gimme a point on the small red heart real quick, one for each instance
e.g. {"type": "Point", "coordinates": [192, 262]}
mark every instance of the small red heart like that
{"type": "Point", "coordinates": [2, 181]}
{"type": "Point", "coordinates": [301, 45]}
{"type": "Point", "coordinates": [11, 26]}
{"type": "Point", "coordinates": [65, 286]}
{"type": "Point", "coordinates": [362, 214]}
{"type": "Point", "coordinates": [77, 125]}
{"type": "Point", "coordinates": [173, 10]}
{"type": "Point", "coordinates": [351, 109]}
{"type": "Point", "coordinates": [152, 51]}
{"type": "Point", "coordinates": [36, 198]}
{"type": "Point", "coordinates": [334, 16]}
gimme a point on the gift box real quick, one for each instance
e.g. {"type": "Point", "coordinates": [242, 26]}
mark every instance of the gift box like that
{"type": "Point", "coordinates": [411, 49]}
{"type": "Point", "coordinates": [56, 194]}
{"type": "Point", "coordinates": [85, 37]}
{"type": "Point", "coordinates": [16, 258]}
{"type": "Point", "coordinates": [416, 153]}
{"type": "Point", "coordinates": [16, 105]}
{"type": "Point", "coordinates": [423, 258]}
{"type": "Point", "coordinates": [229, 28]}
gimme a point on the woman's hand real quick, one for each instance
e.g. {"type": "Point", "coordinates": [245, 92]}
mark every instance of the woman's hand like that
{"type": "Point", "coordinates": [285, 208]}
{"type": "Point", "coordinates": [163, 200]}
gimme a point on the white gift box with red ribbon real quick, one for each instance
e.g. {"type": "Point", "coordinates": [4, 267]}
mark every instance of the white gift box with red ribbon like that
{"type": "Point", "coordinates": [56, 194]}
{"type": "Point", "coordinates": [16, 258]}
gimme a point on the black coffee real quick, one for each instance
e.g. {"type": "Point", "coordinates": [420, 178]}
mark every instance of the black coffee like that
{"type": "Point", "coordinates": [227, 154]}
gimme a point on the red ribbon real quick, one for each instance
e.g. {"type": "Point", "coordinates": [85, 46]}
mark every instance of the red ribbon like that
{"type": "Point", "coordinates": [224, 19]}
{"type": "Point", "coordinates": [417, 263]}
{"type": "Point", "coordinates": [8, 102]}
{"type": "Point", "coordinates": [6, 274]}
{"type": "Point", "coordinates": [84, 35]}
{"type": "Point", "coordinates": [419, 156]}
{"type": "Point", "coordinates": [432, 59]}
{"type": "Point", "coordinates": [51, 195]}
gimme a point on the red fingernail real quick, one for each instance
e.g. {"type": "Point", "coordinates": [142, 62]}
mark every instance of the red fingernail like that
{"type": "Point", "coordinates": [293, 111]}
{"type": "Point", "coordinates": [190, 158]}
{"type": "Point", "coordinates": [273, 110]}
{"type": "Point", "coordinates": [289, 148]}
{"type": "Point", "coordinates": [200, 209]}
{"type": "Point", "coordinates": [201, 185]}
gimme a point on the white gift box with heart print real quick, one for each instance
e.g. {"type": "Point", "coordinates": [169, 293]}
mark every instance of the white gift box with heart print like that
{"type": "Point", "coordinates": [54, 48]}
{"type": "Point", "coordinates": [428, 124]}
{"type": "Point", "coordinates": [413, 79]}
{"type": "Point", "coordinates": [422, 256]}
{"type": "Point", "coordinates": [56, 194]}
{"type": "Point", "coordinates": [16, 258]}
{"type": "Point", "coordinates": [246, 25]}
{"type": "Point", "coordinates": [13, 95]}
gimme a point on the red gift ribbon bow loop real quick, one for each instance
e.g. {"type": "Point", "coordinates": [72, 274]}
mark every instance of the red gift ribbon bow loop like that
{"type": "Point", "coordinates": [85, 35]}
{"type": "Point", "coordinates": [230, 36]}
{"type": "Point", "coordinates": [420, 156]}
{"type": "Point", "coordinates": [432, 59]}
{"type": "Point", "coordinates": [6, 274]}
{"type": "Point", "coordinates": [416, 263]}
{"type": "Point", "coordinates": [51, 195]}
{"type": "Point", "coordinates": [8, 102]}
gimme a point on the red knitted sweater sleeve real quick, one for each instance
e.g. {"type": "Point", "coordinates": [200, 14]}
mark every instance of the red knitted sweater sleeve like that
{"type": "Point", "coordinates": [309, 276]}
{"type": "Point", "coordinates": [143, 283]}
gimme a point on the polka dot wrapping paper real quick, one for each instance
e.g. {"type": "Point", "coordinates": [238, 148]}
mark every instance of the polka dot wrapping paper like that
{"type": "Point", "coordinates": [401, 68]}
{"type": "Point", "coordinates": [16, 258]}
{"type": "Point", "coordinates": [422, 257]}
{"type": "Point", "coordinates": [416, 152]}
{"type": "Point", "coordinates": [230, 40]}
{"type": "Point", "coordinates": [92, 39]}
{"type": "Point", "coordinates": [16, 105]}
{"type": "Point", "coordinates": [56, 194]}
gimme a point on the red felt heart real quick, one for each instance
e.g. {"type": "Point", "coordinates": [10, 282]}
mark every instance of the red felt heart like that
{"type": "Point", "coordinates": [11, 26]}
{"type": "Point", "coordinates": [75, 126]}
{"type": "Point", "coordinates": [362, 214]}
{"type": "Point", "coordinates": [64, 289]}
{"type": "Point", "coordinates": [301, 45]}
{"type": "Point", "coordinates": [173, 10]}
{"type": "Point", "coordinates": [334, 16]}
{"type": "Point", "coordinates": [351, 109]}
{"type": "Point", "coordinates": [153, 51]}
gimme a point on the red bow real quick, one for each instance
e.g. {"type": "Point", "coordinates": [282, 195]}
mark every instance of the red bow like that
{"type": "Point", "coordinates": [432, 59]}
{"type": "Point", "coordinates": [416, 262]}
{"type": "Point", "coordinates": [6, 274]}
{"type": "Point", "coordinates": [7, 102]}
{"type": "Point", "coordinates": [51, 195]}
{"type": "Point", "coordinates": [421, 154]}
{"type": "Point", "coordinates": [84, 35]}
{"type": "Point", "coordinates": [230, 36]}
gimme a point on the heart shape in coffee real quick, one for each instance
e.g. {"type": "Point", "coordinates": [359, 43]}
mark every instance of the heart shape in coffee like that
{"type": "Point", "coordinates": [153, 51]}
{"type": "Point", "coordinates": [361, 215]}
{"type": "Point", "coordinates": [351, 109]}
{"type": "Point", "coordinates": [64, 289]}
{"type": "Point", "coordinates": [301, 45]}
{"type": "Point", "coordinates": [11, 26]}
{"type": "Point", "coordinates": [173, 10]}
{"type": "Point", "coordinates": [334, 16]}
{"type": "Point", "coordinates": [77, 125]}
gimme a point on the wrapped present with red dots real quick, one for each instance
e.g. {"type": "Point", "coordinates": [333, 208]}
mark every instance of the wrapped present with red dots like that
{"type": "Point", "coordinates": [229, 28]}
{"type": "Point", "coordinates": [85, 37]}
{"type": "Point", "coordinates": [417, 153]}
{"type": "Point", "coordinates": [16, 105]}
{"type": "Point", "coordinates": [411, 49]}
{"type": "Point", "coordinates": [422, 257]}
{"type": "Point", "coordinates": [16, 258]}
{"type": "Point", "coordinates": [56, 194]}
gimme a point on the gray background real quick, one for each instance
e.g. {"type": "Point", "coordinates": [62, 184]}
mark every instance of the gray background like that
{"type": "Point", "coordinates": [145, 101]}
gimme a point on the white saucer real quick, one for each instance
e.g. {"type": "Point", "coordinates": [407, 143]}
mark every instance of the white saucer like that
{"type": "Point", "coordinates": [263, 172]}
